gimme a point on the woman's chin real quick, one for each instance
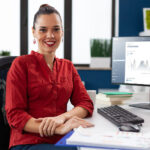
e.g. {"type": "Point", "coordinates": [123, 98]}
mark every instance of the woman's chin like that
{"type": "Point", "coordinates": [51, 51]}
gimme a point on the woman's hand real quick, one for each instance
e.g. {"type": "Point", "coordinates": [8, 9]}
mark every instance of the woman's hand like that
{"type": "Point", "coordinates": [49, 124]}
{"type": "Point", "coordinates": [72, 123]}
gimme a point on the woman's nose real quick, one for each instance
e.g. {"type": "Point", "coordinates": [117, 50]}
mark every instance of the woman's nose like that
{"type": "Point", "coordinates": [50, 34]}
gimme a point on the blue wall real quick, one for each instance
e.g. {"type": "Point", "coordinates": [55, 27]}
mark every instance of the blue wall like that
{"type": "Point", "coordinates": [131, 16]}
{"type": "Point", "coordinates": [97, 79]}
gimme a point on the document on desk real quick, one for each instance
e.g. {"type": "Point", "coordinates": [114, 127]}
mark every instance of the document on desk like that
{"type": "Point", "coordinates": [126, 140]}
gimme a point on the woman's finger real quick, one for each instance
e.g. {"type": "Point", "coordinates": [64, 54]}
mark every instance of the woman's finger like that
{"type": "Point", "coordinates": [46, 126]}
{"type": "Point", "coordinates": [41, 128]}
{"type": "Point", "coordinates": [50, 127]}
{"type": "Point", "coordinates": [78, 121]}
{"type": "Point", "coordinates": [84, 125]}
{"type": "Point", "coordinates": [84, 121]}
{"type": "Point", "coordinates": [53, 128]}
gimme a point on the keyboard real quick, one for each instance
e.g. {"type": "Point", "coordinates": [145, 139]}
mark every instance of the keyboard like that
{"type": "Point", "coordinates": [119, 115]}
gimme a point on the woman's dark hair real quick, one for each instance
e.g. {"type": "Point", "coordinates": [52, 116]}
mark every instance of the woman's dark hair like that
{"type": "Point", "coordinates": [45, 9]}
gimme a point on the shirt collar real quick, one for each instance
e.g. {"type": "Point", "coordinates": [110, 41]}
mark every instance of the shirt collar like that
{"type": "Point", "coordinates": [41, 56]}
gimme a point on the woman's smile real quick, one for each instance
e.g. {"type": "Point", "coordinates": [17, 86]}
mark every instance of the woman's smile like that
{"type": "Point", "coordinates": [48, 33]}
{"type": "Point", "coordinates": [50, 43]}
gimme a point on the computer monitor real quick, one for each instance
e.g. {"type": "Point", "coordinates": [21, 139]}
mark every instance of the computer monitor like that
{"type": "Point", "coordinates": [131, 62]}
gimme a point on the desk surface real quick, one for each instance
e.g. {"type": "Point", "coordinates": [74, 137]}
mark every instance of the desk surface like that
{"type": "Point", "coordinates": [102, 124]}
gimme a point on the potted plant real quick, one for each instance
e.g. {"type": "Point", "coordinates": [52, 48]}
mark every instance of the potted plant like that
{"type": "Point", "coordinates": [146, 22]}
{"type": "Point", "coordinates": [101, 50]}
{"type": "Point", "coordinates": [4, 53]}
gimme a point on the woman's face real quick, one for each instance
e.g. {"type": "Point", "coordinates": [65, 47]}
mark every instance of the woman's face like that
{"type": "Point", "coordinates": [48, 32]}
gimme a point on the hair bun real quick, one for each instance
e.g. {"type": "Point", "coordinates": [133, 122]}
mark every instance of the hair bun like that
{"type": "Point", "coordinates": [44, 5]}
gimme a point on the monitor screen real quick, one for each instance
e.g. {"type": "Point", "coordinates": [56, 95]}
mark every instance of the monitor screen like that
{"type": "Point", "coordinates": [131, 60]}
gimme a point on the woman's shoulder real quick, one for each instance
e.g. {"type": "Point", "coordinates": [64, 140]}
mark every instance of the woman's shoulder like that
{"type": "Point", "coordinates": [23, 58]}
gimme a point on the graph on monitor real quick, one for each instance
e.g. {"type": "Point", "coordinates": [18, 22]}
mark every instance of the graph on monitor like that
{"type": "Point", "coordinates": [131, 62]}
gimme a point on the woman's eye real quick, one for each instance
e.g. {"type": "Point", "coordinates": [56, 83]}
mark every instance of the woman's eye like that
{"type": "Point", "coordinates": [56, 29]}
{"type": "Point", "coordinates": [43, 30]}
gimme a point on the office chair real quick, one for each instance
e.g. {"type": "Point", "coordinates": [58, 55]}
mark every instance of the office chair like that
{"type": "Point", "coordinates": [5, 63]}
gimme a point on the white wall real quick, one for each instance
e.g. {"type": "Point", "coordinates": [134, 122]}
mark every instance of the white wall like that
{"type": "Point", "coordinates": [91, 19]}
{"type": "Point", "coordinates": [10, 26]}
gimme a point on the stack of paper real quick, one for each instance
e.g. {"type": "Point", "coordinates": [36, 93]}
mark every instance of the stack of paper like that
{"type": "Point", "coordinates": [112, 98]}
{"type": "Point", "coordinates": [119, 139]}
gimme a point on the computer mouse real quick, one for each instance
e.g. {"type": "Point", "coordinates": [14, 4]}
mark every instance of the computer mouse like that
{"type": "Point", "coordinates": [129, 128]}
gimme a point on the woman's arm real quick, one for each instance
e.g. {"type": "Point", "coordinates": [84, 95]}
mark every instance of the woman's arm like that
{"type": "Point", "coordinates": [49, 124]}
{"type": "Point", "coordinates": [72, 123]}
{"type": "Point", "coordinates": [63, 126]}
{"type": "Point", "coordinates": [16, 95]}
{"type": "Point", "coordinates": [76, 111]}
{"type": "Point", "coordinates": [33, 125]}
{"type": "Point", "coordinates": [79, 96]}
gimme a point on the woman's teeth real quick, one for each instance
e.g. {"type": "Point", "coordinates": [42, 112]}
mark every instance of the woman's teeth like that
{"type": "Point", "coordinates": [50, 43]}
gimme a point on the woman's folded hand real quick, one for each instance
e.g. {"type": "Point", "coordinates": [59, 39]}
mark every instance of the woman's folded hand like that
{"type": "Point", "coordinates": [49, 124]}
{"type": "Point", "coordinates": [72, 123]}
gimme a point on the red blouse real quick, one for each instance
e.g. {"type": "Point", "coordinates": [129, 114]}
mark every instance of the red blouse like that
{"type": "Point", "coordinates": [33, 90]}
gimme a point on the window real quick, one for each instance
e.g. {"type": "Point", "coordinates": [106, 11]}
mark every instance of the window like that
{"type": "Point", "coordinates": [90, 19]}
{"type": "Point", "coordinates": [10, 26]}
{"type": "Point", "coordinates": [33, 6]}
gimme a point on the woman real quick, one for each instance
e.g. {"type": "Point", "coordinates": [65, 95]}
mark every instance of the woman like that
{"type": "Point", "coordinates": [38, 88]}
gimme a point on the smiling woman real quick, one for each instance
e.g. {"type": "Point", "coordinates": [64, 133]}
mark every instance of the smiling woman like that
{"type": "Point", "coordinates": [32, 8]}
{"type": "Point", "coordinates": [39, 86]}
{"type": "Point", "coordinates": [47, 31]}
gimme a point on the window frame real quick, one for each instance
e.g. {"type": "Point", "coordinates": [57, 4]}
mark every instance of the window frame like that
{"type": "Point", "coordinates": [67, 28]}
{"type": "Point", "coordinates": [23, 27]}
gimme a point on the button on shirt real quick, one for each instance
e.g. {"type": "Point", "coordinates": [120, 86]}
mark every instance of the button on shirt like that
{"type": "Point", "coordinates": [33, 90]}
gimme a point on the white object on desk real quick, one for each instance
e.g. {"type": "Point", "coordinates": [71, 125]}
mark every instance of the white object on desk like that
{"type": "Point", "coordinates": [147, 33]}
{"type": "Point", "coordinates": [102, 125]}
{"type": "Point", "coordinates": [110, 139]}
{"type": "Point", "coordinates": [92, 94]}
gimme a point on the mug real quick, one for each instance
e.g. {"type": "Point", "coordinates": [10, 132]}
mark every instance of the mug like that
{"type": "Point", "coordinates": [92, 94]}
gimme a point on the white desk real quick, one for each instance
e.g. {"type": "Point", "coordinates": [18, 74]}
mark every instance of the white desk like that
{"type": "Point", "coordinates": [102, 124]}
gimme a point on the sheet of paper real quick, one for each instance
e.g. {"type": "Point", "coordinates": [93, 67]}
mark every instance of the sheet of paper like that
{"type": "Point", "coordinates": [114, 139]}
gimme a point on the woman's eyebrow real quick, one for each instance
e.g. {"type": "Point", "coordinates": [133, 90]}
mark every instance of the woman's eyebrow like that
{"type": "Point", "coordinates": [42, 27]}
{"type": "Point", "coordinates": [57, 26]}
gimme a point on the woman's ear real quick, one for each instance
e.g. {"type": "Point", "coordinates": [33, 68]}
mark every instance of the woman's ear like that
{"type": "Point", "coordinates": [62, 32]}
{"type": "Point", "coordinates": [33, 32]}
{"type": "Point", "coordinates": [62, 35]}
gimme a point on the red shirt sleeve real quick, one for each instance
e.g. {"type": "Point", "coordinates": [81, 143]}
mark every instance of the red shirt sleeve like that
{"type": "Point", "coordinates": [79, 95]}
{"type": "Point", "coordinates": [16, 95]}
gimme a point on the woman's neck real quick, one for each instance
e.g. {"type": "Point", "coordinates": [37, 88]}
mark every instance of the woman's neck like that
{"type": "Point", "coordinates": [49, 58]}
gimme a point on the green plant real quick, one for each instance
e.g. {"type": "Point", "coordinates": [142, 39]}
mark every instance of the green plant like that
{"type": "Point", "coordinates": [101, 47]}
{"type": "Point", "coordinates": [4, 53]}
{"type": "Point", "coordinates": [148, 19]}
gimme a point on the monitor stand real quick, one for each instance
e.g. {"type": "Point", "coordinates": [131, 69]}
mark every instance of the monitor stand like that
{"type": "Point", "coordinates": [142, 105]}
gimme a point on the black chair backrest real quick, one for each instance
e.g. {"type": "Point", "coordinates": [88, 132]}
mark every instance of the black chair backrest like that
{"type": "Point", "coordinates": [5, 63]}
